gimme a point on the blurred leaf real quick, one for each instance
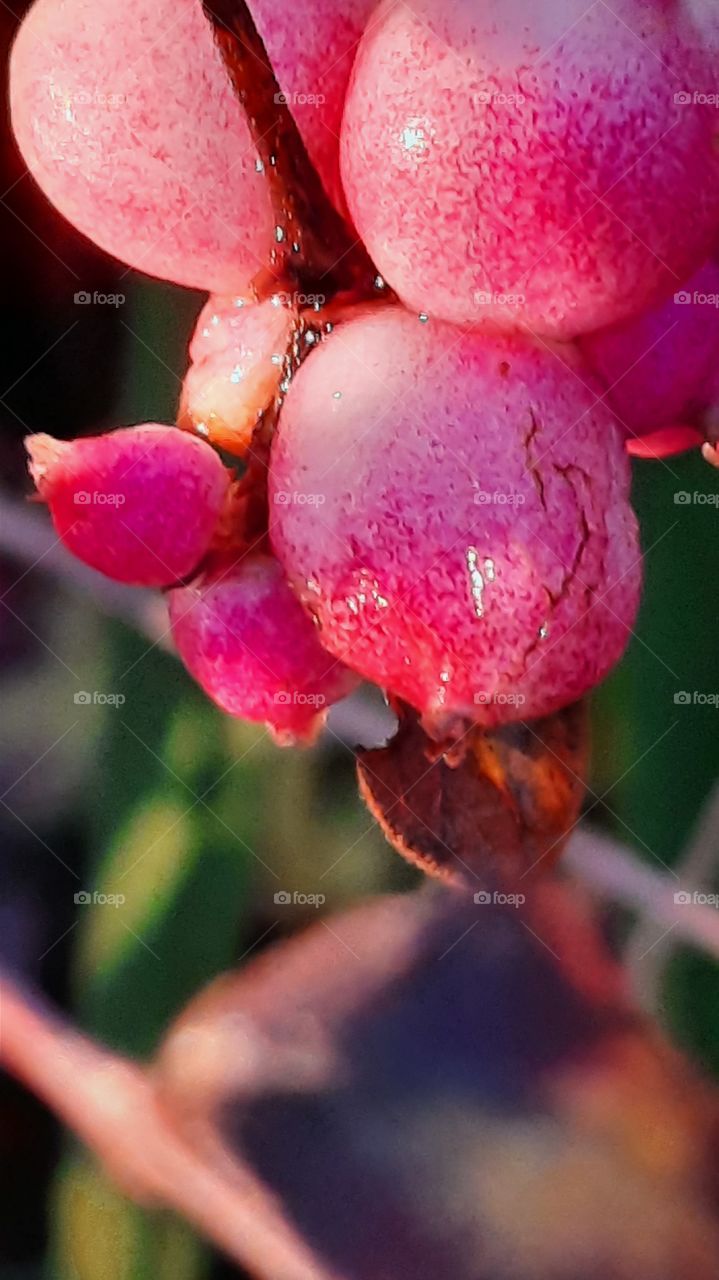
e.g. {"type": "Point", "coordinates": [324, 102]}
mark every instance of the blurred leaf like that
{"type": "Point", "coordinates": [183, 873]}
{"type": "Point", "coordinates": [183, 870]}
{"type": "Point", "coordinates": [657, 758]}
{"type": "Point", "coordinates": [469, 1079]}
{"type": "Point", "coordinates": [108, 1238]}
{"type": "Point", "coordinates": [660, 758]}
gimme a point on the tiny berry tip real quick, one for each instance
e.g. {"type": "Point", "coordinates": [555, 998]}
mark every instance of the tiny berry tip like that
{"type": "Point", "coordinates": [44, 453]}
{"type": "Point", "coordinates": [304, 736]}
{"type": "Point", "coordinates": [710, 453]}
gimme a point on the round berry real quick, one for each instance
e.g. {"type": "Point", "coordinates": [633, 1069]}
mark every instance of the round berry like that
{"type": "Point", "coordinates": [250, 645]}
{"type": "Point", "coordinates": [538, 165]}
{"type": "Point", "coordinates": [453, 509]}
{"type": "Point", "coordinates": [127, 119]}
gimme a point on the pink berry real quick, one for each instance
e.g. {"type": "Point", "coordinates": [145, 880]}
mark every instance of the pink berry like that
{"type": "Point", "coordinates": [139, 504]}
{"type": "Point", "coordinates": [250, 645]}
{"type": "Point", "coordinates": [453, 508]}
{"type": "Point", "coordinates": [312, 60]}
{"type": "Point", "coordinates": [537, 165]}
{"type": "Point", "coordinates": [241, 356]}
{"type": "Point", "coordinates": [126, 118]}
{"type": "Point", "coordinates": [660, 368]}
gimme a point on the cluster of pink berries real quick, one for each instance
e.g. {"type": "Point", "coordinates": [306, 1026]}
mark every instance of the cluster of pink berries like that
{"type": "Point", "coordinates": [444, 508]}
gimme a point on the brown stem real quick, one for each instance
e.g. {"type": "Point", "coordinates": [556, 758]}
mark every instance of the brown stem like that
{"type": "Point", "coordinates": [314, 246]}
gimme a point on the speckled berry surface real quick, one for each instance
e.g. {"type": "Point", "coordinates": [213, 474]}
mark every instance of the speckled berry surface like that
{"type": "Point", "coordinates": [240, 356]}
{"type": "Point", "coordinates": [453, 509]}
{"type": "Point", "coordinates": [253, 649]}
{"type": "Point", "coordinates": [127, 119]}
{"type": "Point", "coordinates": [662, 366]}
{"type": "Point", "coordinates": [544, 165]}
{"type": "Point", "coordinates": [140, 504]}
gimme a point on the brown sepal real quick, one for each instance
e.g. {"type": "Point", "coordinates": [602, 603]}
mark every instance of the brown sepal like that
{"type": "Point", "coordinates": [484, 811]}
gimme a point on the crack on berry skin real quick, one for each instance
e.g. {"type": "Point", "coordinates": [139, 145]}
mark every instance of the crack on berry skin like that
{"type": "Point", "coordinates": [532, 465]}
{"type": "Point", "coordinates": [571, 573]}
{"type": "Point", "coordinates": [555, 598]}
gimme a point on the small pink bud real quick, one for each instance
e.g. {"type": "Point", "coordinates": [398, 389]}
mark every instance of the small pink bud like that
{"type": "Point", "coordinates": [248, 642]}
{"type": "Point", "coordinates": [139, 504]}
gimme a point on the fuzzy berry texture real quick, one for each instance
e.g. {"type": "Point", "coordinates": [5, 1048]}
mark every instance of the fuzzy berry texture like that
{"type": "Point", "coordinates": [126, 118]}
{"type": "Point", "coordinates": [531, 164]}
{"type": "Point", "coordinates": [253, 649]}
{"type": "Point", "coordinates": [454, 511]}
{"type": "Point", "coordinates": [139, 504]}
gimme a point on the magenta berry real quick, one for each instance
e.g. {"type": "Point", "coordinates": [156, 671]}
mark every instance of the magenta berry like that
{"type": "Point", "coordinates": [660, 367]}
{"type": "Point", "coordinates": [250, 645]}
{"type": "Point", "coordinates": [453, 508]}
{"type": "Point", "coordinates": [139, 504]}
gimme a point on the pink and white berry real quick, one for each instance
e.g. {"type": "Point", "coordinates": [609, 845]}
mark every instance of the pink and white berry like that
{"type": "Point", "coordinates": [312, 60]}
{"type": "Point", "coordinates": [453, 509]}
{"type": "Point", "coordinates": [544, 165]}
{"type": "Point", "coordinates": [128, 121]}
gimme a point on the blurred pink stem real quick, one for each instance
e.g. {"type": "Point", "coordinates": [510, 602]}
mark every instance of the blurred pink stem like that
{"type": "Point", "coordinates": [616, 872]}
{"type": "Point", "coordinates": [110, 1104]}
